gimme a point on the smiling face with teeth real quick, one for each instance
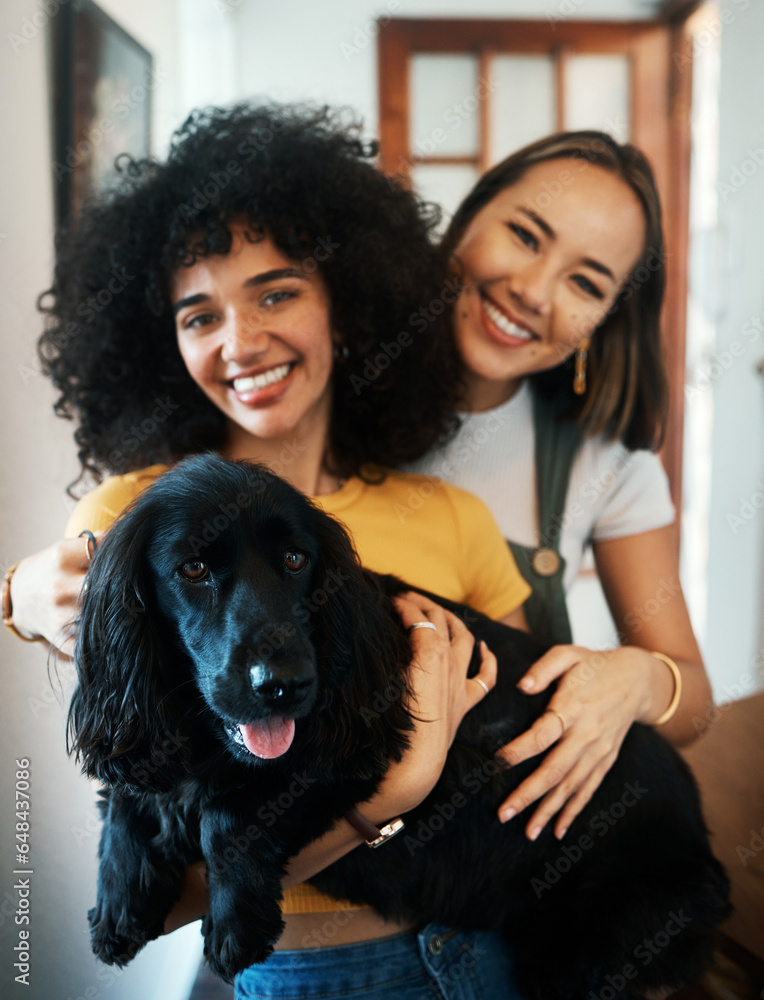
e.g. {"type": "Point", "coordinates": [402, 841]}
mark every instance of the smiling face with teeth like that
{"type": "Point", "coordinates": [254, 331]}
{"type": "Point", "coordinates": [541, 265]}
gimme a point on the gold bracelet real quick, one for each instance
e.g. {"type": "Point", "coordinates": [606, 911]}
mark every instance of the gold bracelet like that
{"type": "Point", "coordinates": [8, 607]}
{"type": "Point", "coordinates": [674, 703]}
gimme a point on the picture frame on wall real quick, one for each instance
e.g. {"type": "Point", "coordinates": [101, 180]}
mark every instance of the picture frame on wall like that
{"type": "Point", "coordinates": [104, 81]}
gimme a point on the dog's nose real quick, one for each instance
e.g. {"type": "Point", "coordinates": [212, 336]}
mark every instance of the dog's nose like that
{"type": "Point", "coordinates": [280, 684]}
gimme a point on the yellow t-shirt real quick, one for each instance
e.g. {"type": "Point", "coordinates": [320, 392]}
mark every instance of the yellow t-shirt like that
{"type": "Point", "coordinates": [429, 533]}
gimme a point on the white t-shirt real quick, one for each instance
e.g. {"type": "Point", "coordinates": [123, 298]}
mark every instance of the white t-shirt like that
{"type": "Point", "coordinates": [612, 492]}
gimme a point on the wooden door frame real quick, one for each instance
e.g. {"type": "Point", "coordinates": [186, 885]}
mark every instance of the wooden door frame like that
{"type": "Point", "coordinates": [662, 54]}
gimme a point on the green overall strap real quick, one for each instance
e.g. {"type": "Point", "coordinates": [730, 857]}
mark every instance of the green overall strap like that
{"type": "Point", "coordinates": [557, 443]}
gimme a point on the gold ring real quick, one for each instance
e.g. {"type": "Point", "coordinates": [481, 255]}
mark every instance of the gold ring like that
{"type": "Point", "coordinates": [559, 716]}
{"type": "Point", "coordinates": [481, 682]}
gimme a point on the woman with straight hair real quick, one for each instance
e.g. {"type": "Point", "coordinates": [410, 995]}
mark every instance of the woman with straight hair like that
{"type": "Point", "coordinates": [560, 256]}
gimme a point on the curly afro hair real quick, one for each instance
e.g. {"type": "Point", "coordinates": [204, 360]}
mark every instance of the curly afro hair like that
{"type": "Point", "coordinates": [303, 176]}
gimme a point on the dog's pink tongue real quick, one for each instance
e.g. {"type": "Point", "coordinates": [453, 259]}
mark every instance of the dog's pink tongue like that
{"type": "Point", "coordinates": [268, 739]}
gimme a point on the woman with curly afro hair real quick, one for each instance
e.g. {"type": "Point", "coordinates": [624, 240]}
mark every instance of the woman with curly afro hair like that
{"type": "Point", "coordinates": [268, 294]}
{"type": "Point", "coordinates": [299, 176]}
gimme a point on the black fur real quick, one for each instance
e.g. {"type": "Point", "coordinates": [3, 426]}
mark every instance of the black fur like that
{"type": "Point", "coordinates": [168, 668]}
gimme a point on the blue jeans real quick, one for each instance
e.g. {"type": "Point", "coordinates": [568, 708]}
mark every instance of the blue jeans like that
{"type": "Point", "coordinates": [436, 964]}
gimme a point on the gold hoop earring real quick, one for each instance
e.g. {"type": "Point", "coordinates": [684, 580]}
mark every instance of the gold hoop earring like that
{"type": "Point", "coordinates": [579, 377]}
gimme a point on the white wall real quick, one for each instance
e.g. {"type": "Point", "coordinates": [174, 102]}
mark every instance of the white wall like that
{"type": "Point", "coordinates": [39, 459]}
{"type": "Point", "coordinates": [735, 632]}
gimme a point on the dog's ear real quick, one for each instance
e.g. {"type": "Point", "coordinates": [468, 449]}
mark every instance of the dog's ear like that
{"type": "Point", "coordinates": [363, 655]}
{"type": "Point", "coordinates": [124, 722]}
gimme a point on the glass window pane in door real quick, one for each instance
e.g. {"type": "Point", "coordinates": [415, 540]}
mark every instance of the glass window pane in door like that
{"type": "Point", "coordinates": [446, 185]}
{"type": "Point", "coordinates": [522, 102]}
{"type": "Point", "coordinates": [444, 105]}
{"type": "Point", "coordinates": [597, 94]}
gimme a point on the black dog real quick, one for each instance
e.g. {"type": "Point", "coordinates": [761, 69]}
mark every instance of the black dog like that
{"type": "Point", "coordinates": [230, 648]}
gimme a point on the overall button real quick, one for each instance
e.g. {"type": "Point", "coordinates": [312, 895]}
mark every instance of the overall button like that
{"type": "Point", "coordinates": [546, 562]}
{"type": "Point", "coordinates": [435, 947]}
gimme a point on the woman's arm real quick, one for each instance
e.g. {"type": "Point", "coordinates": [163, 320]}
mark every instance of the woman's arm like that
{"type": "Point", "coordinates": [46, 586]}
{"type": "Point", "coordinates": [600, 694]}
{"type": "Point", "coordinates": [45, 589]}
{"type": "Point", "coordinates": [442, 695]}
{"type": "Point", "coordinates": [640, 579]}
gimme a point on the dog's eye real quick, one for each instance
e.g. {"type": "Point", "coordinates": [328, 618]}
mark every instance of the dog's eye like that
{"type": "Point", "coordinates": [295, 561]}
{"type": "Point", "coordinates": [194, 571]}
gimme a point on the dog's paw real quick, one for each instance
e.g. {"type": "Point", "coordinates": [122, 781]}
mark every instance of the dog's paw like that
{"type": "Point", "coordinates": [232, 946]}
{"type": "Point", "coordinates": [115, 936]}
{"type": "Point", "coordinates": [131, 906]}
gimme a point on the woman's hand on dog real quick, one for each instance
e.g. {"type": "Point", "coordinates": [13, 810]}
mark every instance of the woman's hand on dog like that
{"type": "Point", "coordinates": [441, 695]}
{"type": "Point", "coordinates": [441, 692]}
{"type": "Point", "coordinates": [45, 589]}
{"type": "Point", "coordinates": [599, 695]}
